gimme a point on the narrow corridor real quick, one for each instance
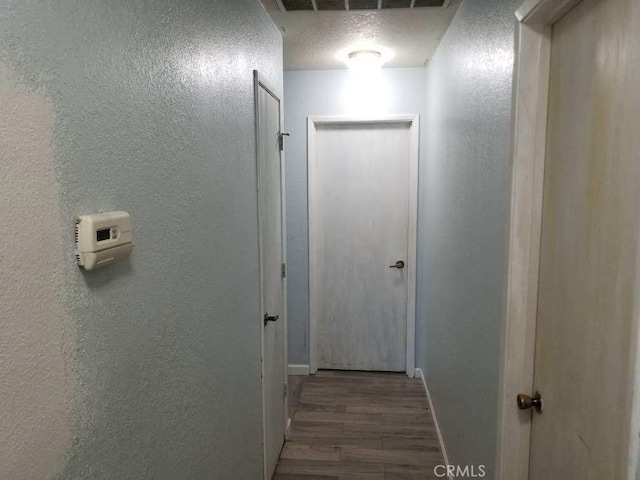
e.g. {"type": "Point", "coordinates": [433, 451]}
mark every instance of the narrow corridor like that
{"type": "Point", "coordinates": [359, 425]}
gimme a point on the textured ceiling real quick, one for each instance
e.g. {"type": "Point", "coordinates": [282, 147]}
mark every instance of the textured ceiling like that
{"type": "Point", "coordinates": [320, 40]}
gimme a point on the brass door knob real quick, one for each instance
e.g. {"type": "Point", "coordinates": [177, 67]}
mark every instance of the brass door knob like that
{"type": "Point", "coordinates": [525, 402]}
{"type": "Point", "coordinates": [399, 265]}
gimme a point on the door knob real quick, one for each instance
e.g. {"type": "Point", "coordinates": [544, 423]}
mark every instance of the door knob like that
{"type": "Point", "coordinates": [268, 318]}
{"type": "Point", "coordinates": [399, 264]}
{"type": "Point", "coordinates": [525, 402]}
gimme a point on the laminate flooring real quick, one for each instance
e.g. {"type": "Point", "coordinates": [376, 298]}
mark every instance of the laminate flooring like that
{"type": "Point", "coordinates": [359, 426]}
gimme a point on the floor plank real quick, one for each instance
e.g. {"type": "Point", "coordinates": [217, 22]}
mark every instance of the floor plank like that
{"type": "Point", "coordinates": [339, 440]}
{"type": "Point", "coordinates": [407, 419]}
{"type": "Point", "coordinates": [389, 409]}
{"type": "Point", "coordinates": [300, 451]}
{"type": "Point", "coordinates": [409, 472]}
{"type": "Point", "coordinates": [315, 467]}
{"type": "Point", "coordinates": [295, 476]}
{"type": "Point", "coordinates": [396, 457]}
{"type": "Point", "coordinates": [409, 431]}
{"type": "Point", "coordinates": [330, 417]}
{"type": "Point", "coordinates": [316, 407]}
{"type": "Point", "coordinates": [402, 443]}
{"type": "Point", "coordinates": [359, 426]}
{"type": "Point", "coordinates": [317, 429]}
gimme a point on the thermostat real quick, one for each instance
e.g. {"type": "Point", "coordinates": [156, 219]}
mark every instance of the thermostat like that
{"type": "Point", "coordinates": [103, 239]}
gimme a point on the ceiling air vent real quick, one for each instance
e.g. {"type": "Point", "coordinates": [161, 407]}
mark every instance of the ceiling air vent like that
{"type": "Point", "coordinates": [363, 4]}
{"type": "Point", "coordinates": [321, 5]}
{"type": "Point", "coordinates": [330, 5]}
{"type": "Point", "coordinates": [291, 5]}
{"type": "Point", "coordinates": [396, 3]}
{"type": "Point", "coordinates": [429, 3]}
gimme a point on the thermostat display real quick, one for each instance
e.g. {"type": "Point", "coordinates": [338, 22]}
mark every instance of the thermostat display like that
{"type": "Point", "coordinates": [102, 239]}
{"type": "Point", "coordinates": [102, 235]}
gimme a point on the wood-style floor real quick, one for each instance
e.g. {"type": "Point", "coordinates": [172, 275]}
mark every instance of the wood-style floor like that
{"type": "Point", "coordinates": [359, 426]}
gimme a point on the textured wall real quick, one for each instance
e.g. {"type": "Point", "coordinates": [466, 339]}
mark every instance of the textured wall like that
{"type": "Point", "coordinates": [149, 368]}
{"type": "Point", "coordinates": [463, 224]}
{"type": "Point", "coordinates": [329, 92]}
{"type": "Point", "coordinates": [34, 418]}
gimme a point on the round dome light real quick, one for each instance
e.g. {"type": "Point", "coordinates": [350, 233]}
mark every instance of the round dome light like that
{"type": "Point", "coordinates": [365, 59]}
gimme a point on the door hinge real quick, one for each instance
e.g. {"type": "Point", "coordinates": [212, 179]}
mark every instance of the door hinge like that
{"type": "Point", "coordinates": [283, 270]}
{"type": "Point", "coordinates": [286, 389]}
{"type": "Point", "coordinates": [281, 140]}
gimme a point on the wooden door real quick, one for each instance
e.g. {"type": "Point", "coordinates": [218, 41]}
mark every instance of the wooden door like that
{"type": "Point", "coordinates": [361, 220]}
{"type": "Point", "coordinates": [589, 248]}
{"type": "Point", "coordinates": [271, 258]}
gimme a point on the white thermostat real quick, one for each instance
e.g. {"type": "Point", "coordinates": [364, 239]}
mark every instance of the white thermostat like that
{"type": "Point", "coordinates": [103, 239]}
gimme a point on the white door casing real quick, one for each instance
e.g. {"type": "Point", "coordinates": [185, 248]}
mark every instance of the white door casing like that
{"type": "Point", "coordinates": [362, 219]}
{"type": "Point", "coordinates": [272, 285]}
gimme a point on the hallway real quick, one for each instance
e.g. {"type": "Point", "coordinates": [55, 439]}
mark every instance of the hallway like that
{"type": "Point", "coordinates": [235, 226]}
{"type": "Point", "coordinates": [359, 425]}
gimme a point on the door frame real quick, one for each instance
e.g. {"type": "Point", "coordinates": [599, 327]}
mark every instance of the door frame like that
{"type": "Point", "coordinates": [312, 124]}
{"type": "Point", "coordinates": [531, 96]}
{"type": "Point", "coordinates": [260, 82]}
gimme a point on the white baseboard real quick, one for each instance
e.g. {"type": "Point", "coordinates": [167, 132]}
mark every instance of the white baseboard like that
{"type": "Point", "coordinates": [298, 369]}
{"type": "Point", "coordinates": [286, 430]}
{"type": "Point", "coordinates": [420, 375]}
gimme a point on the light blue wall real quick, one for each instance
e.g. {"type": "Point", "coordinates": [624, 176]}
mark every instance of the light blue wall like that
{"type": "Point", "coordinates": [152, 112]}
{"type": "Point", "coordinates": [331, 92]}
{"type": "Point", "coordinates": [463, 224]}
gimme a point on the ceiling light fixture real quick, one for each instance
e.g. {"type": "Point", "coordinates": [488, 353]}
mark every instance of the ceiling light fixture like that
{"type": "Point", "coordinates": [365, 59]}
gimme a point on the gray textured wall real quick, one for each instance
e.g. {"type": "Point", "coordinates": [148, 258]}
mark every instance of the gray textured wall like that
{"type": "Point", "coordinates": [149, 368]}
{"type": "Point", "coordinates": [463, 224]}
{"type": "Point", "coordinates": [330, 92]}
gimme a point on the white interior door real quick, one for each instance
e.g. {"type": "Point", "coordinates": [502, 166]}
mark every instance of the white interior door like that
{"type": "Point", "coordinates": [271, 258]}
{"type": "Point", "coordinates": [361, 227]}
{"type": "Point", "coordinates": [589, 249]}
